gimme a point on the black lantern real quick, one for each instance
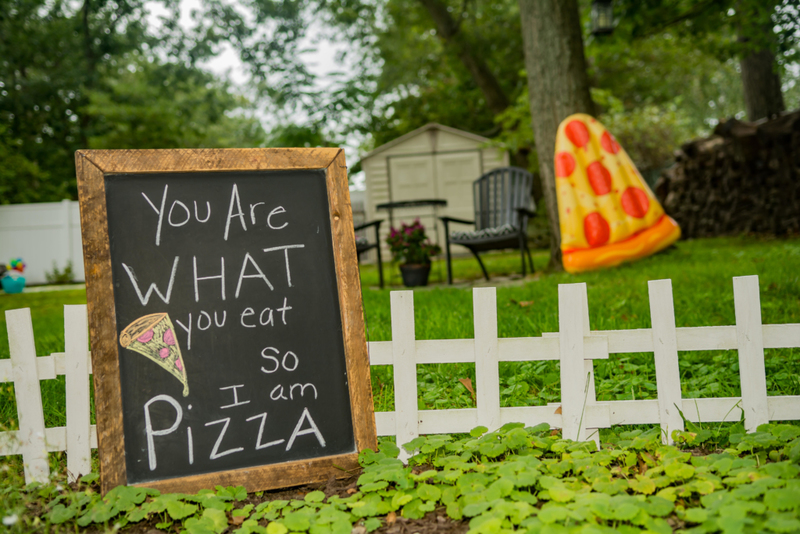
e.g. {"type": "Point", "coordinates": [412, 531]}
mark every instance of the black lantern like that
{"type": "Point", "coordinates": [602, 17]}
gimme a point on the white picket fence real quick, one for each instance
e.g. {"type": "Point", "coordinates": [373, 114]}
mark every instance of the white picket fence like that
{"type": "Point", "coordinates": [575, 346]}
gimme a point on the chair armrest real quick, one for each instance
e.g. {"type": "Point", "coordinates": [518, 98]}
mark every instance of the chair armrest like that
{"type": "Point", "coordinates": [526, 211]}
{"type": "Point", "coordinates": [375, 223]}
{"type": "Point", "coordinates": [453, 219]}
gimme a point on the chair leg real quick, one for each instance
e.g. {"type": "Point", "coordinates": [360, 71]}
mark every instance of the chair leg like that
{"type": "Point", "coordinates": [477, 257]}
{"type": "Point", "coordinates": [522, 247]}
{"type": "Point", "coordinates": [378, 250]}
{"type": "Point", "coordinates": [530, 258]}
{"type": "Point", "coordinates": [447, 254]}
{"type": "Point", "coordinates": [380, 265]}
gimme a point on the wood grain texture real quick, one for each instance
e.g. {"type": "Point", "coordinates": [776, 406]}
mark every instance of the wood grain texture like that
{"type": "Point", "coordinates": [102, 321]}
{"type": "Point", "coordinates": [349, 284]}
{"type": "Point", "coordinates": [92, 166]}
{"type": "Point", "coordinates": [266, 477]}
{"type": "Point", "coordinates": [211, 159]}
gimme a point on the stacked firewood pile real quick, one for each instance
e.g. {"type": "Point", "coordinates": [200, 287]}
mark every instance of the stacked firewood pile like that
{"type": "Point", "coordinates": [743, 179]}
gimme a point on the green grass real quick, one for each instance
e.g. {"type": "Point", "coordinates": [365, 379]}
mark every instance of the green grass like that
{"type": "Point", "coordinates": [701, 272]}
{"type": "Point", "coordinates": [633, 483]}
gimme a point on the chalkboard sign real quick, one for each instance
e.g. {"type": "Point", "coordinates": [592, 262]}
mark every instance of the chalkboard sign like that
{"type": "Point", "coordinates": [225, 314]}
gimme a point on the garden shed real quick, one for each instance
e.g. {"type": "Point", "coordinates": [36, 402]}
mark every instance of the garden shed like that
{"type": "Point", "coordinates": [431, 162]}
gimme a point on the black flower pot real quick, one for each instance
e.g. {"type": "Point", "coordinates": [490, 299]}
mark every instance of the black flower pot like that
{"type": "Point", "coordinates": [415, 275]}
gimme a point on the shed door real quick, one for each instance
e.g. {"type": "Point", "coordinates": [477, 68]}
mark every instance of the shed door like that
{"type": "Point", "coordinates": [412, 178]}
{"type": "Point", "coordinates": [455, 174]}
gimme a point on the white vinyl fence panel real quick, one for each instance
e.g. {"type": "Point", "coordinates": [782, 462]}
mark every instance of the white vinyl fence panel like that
{"type": "Point", "coordinates": [44, 235]}
{"type": "Point", "coordinates": [575, 346]}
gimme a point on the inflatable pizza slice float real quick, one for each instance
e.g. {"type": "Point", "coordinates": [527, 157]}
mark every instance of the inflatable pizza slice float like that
{"type": "Point", "coordinates": [607, 213]}
{"type": "Point", "coordinates": [154, 337]}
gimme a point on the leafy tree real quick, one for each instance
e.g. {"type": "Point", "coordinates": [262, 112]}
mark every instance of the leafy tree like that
{"type": "Point", "coordinates": [761, 34]}
{"type": "Point", "coordinates": [148, 104]}
{"type": "Point", "coordinates": [94, 75]}
{"type": "Point", "coordinates": [21, 180]}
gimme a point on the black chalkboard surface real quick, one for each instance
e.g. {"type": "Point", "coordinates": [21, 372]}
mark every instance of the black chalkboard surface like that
{"type": "Point", "coordinates": [228, 334]}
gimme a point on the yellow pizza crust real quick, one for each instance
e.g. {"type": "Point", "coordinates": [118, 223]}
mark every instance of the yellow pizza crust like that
{"type": "Point", "coordinates": [650, 241]}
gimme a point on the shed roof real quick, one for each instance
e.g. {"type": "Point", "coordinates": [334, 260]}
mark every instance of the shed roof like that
{"type": "Point", "coordinates": [423, 129]}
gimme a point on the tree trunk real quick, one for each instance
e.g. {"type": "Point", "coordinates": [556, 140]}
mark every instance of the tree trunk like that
{"type": "Point", "coordinates": [558, 86]}
{"type": "Point", "coordinates": [448, 31]}
{"type": "Point", "coordinates": [761, 82]}
{"type": "Point", "coordinates": [762, 85]}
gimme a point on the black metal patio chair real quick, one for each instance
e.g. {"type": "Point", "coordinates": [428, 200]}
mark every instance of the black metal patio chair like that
{"type": "Point", "coordinates": [363, 244]}
{"type": "Point", "coordinates": [503, 205]}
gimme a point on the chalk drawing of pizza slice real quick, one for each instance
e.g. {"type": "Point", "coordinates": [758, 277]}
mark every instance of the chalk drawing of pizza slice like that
{"type": "Point", "coordinates": [154, 337]}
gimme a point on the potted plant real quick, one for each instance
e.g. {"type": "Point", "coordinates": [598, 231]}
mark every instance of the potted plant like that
{"type": "Point", "coordinates": [410, 246]}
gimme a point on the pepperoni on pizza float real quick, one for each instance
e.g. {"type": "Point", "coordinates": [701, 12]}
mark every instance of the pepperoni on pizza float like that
{"type": "Point", "coordinates": [607, 213]}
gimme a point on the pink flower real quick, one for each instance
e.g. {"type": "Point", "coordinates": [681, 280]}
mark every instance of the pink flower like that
{"type": "Point", "coordinates": [169, 337]}
{"type": "Point", "coordinates": [179, 365]}
{"type": "Point", "coordinates": [147, 336]}
{"type": "Point", "coordinates": [163, 353]}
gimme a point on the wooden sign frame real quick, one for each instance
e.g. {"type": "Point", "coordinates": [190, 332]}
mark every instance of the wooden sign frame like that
{"type": "Point", "coordinates": [92, 166]}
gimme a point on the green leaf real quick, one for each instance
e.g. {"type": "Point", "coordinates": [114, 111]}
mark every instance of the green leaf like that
{"type": "Point", "coordinates": [426, 492]}
{"type": "Point", "coordinates": [315, 496]}
{"type": "Point", "coordinates": [217, 518]}
{"type": "Point", "coordinates": [100, 512]}
{"type": "Point", "coordinates": [276, 528]}
{"type": "Point", "coordinates": [296, 521]}
{"type": "Point", "coordinates": [609, 486]}
{"type": "Point", "coordinates": [90, 478]}
{"type": "Point", "coordinates": [125, 498]}
{"type": "Point", "coordinates": [501, 487]}
{"type": "Point", "coordinates": [400, 499]}
{"type": "Point", "coordinates": [561, 494]}
{"type": "Point", "coordinates": [473, 509]}
{"type": "Point", "coordinates": [373, 523]}
{"type": "Point", "coordinates": [196, 525]}
{"type": "Point", "coordinates": [60, 513]}
{"type": "Point", "coordinates": [782, 523]}
{"type": "Point", "coordinates": [250, 526]}
{"type": "Point", "coordinates": [242, 512]}
{"type": "Point", "coordinates": [478, 431]}
{"type": "Point", "coordinates": [703, 487]}
{"type": "Point", "coordinates": [625, 511]}
{"type": "Point", "coordinates": [678, 470]}
{"type": "Point", "coordinates": [179, 509]}
{"type": "Point", "coordinates": [642, 484]}
{"type": "Point", "coordinates": [372, 486]}
{"type": "Point", "coordinates": [416, 509]}
{"type": "Point", "coordinates": [696, 515]}
{"type": "Point", "coordinates": [137, 514]}
{"type": "Point", "coordinates": [782, 498]}
{"type": "Point", "coordinates": [551, 514]}
{"type": "Point", "coordinates": [657, 506]}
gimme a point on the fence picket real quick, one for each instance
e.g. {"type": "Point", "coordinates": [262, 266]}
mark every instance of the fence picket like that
{"type": "Point", "coordinates": [487, 373]}
{"type": "Point", "coordinates": [665, 353]}
{"type": "Point", "coordinates": [28, 395]}
{"type": "Point", "coordinates": [575, 346]}
{"type": "Point", "coordinates": [588, 368]}
{"type": "Point", "coordinates": [76, 369]}
{"type": "Point", "coordinates": [404, 361]}
{"type": "Point", "coordinates": [750, 341]}
{"type": "Point", "coordinates": [573, 379]}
